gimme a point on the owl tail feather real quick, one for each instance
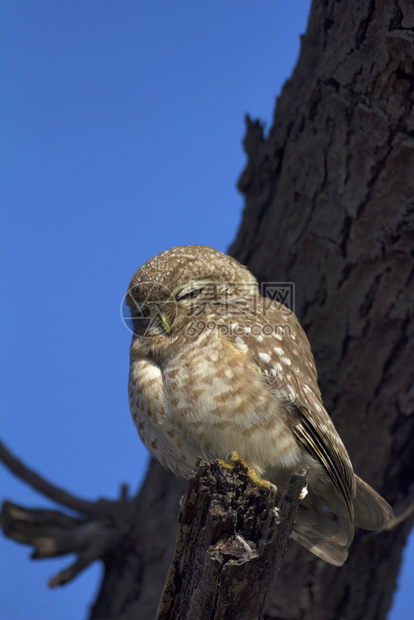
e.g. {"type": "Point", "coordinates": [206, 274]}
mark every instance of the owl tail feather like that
{"type": "Point", "coordinates": [324, 533]}
{"type": "Point", "coordinates": [372, 512]}
{"type": "Point", "coordinates": [326, 549]}
{"type": "Point", "coordinates": [325, 526]}
{"type": "Point", "coordinates": [328, 534]}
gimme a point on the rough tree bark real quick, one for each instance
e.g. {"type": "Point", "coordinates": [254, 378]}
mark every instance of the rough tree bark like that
{"type": "Point", "coordinates": [329, 205]}
{"type": "Point", "coordinates": [230, 544]}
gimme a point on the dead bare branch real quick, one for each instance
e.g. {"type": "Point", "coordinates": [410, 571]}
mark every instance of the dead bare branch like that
{"type": "Point", "coordinates": [40, 484]}
{"type": "Point", "coordinates": [91, 535]}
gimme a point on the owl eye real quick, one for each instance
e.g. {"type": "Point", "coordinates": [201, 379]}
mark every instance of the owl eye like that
{"type": "Point", "coordinates": [190, 294]}
{"type": "Point", "coordinates": [139, 312]}
{"type": "Point", "coordinates": [144, 311]}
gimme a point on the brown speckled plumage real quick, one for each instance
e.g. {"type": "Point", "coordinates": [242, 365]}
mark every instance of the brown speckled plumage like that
{"type": "Point", "coordinates": [217, 368]}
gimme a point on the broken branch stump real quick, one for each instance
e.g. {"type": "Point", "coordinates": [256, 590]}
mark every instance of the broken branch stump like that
{"type": "Point", "coordinates": [231, 539]}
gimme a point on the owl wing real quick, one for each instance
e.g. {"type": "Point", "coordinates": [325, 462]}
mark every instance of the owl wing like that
{"type": "Point", "coordinates": [291, 373]}
{"type": "Point", "coordinates": [323, 443]}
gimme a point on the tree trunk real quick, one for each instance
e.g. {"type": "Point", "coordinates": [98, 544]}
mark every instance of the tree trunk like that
{"type": "Point", "coordinates": [329, 205]}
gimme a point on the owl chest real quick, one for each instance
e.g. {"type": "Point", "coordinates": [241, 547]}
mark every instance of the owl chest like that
{"type": "Point", "coordinates": [178, 396]}
{"type": "Point", "coordinates": [220, 400]}
{"type": "Point", "coordinates": [161, 433]}
{"type": "Point", "coordinates": [196, 405]}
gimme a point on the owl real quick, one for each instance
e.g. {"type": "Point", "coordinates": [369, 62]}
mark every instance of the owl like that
{"type": "Point", "coordinates": [216, 367]}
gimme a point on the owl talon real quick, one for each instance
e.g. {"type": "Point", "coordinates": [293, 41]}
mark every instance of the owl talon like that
{"type": "Point", "coordinates": [226, 465]}
{"type": "Point", "coordinates": [235, 458]}
{"type": "Point", "coordinates": [234, 461]}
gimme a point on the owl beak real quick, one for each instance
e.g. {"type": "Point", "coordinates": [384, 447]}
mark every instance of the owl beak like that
{"type": "Point", "coordinates": [167, 315]}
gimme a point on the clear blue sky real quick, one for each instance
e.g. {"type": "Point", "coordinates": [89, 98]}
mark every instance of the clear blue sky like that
{"type": "Point", "coordinates": [121, 131]}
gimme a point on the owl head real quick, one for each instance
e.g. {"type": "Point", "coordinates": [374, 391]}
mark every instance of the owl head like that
{"type": "Point", "coordinates": [183, 282]}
